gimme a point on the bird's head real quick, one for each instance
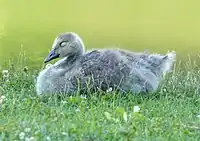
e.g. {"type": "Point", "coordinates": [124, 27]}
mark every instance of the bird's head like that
{"type": "Point", "coordinates": [66, 45]}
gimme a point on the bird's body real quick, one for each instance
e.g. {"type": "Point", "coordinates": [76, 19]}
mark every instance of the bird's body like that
{"type": "Point", "coordinates": [103, 69]}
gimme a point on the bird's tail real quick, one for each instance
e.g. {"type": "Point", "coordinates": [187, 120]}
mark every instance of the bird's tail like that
{"type": "Point", "coordinates": [168, 61]}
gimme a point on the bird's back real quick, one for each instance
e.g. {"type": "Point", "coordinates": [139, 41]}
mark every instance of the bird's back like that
{"type": "Point", "coordinates": [116, 69]}
{"type": "Point", "coordinates": [103, 70]}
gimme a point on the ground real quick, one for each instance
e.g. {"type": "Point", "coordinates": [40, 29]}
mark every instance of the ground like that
{"type": "Point", "coordinates": [170, 114]}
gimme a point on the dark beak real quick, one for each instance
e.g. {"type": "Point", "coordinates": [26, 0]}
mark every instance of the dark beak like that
{"type": "Point", "coordinates": [52, 55]}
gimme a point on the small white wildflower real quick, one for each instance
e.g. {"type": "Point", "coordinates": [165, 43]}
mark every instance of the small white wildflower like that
{"type": "Point", "coordinates": [21, 135]}
{"type": "Point", "coordinates": [27, 139]}
{"type": "Point", "coordinates": [109, 90]}
{"type": "Point", "coordinates": [108, 115]}
{"type": "Point", "coordinates": [198, 116]}
{"type": "Point", "coordinates": [64, 102]}
{"type": "Point", "coordinates": [31, 139]}
{"type": "Point", "coordinates": [77, 110]}
{"type": "Point", "coordinates": [5, 73]}
{"type": "Point", "coordinates": [64, 133]}
{"type": "Point", "coordinates": [2, 99]}
{"type": "Point", "coordinates": [164, 90]}
{"type": "Point", "coordinates": [125, 117]}
{"type": "Point", "coordinates": [84, 96]}
{"type": "Point", "coordinates": [136, 109]}
{"type": "Point", "coordinates": [27, 130]}
{"type": "Point", "coordinates": [48, 138]}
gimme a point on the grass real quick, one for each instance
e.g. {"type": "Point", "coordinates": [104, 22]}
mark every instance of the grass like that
{"type": "Point", "coordinates": [170, 114]}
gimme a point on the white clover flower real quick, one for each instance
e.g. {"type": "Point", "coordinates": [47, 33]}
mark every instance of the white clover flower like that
{"type": "Point", "coordinates": [48, 138]}
{"type": "Point", "coordinates": [109, 90]}
{"type": "Point", "coordinates": [64, 102]}
{"type": "Point", "coordinates": [136, 109]}
{"type": "Point", "coordinates": [27, 130]}
{"type": "Point", "coordinates": [108, 115]}
{"type": "Point", "coordinates": [198, 116]}
{"type": "Point", "coordinates": [29, 139]}
{"type": "Point", "coordinates": [64, 133]}
{"type": "Point", "coordinates": [5, 73]}
{"type": "Point", "coordinates": [21, 136]}
{"type": "Point", "coordinates": [77, 110]}
{"type": "Point", "coordinates": [164, 90]}
{"type": "Point", "coordinates": [2, 99]}
{"type": "Point", "coordinates": [84, 96]}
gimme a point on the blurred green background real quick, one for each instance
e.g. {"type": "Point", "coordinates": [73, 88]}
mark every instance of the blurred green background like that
{"type": "Point", "coordinates": [156, 25]}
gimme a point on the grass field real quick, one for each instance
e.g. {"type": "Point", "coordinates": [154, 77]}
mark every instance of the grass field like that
{"type": "Point", "coordinates": [170, 114]}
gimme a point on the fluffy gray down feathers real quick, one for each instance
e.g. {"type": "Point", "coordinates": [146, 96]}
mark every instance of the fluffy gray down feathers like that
{"type": "Point", "coordinates": [104, 69]}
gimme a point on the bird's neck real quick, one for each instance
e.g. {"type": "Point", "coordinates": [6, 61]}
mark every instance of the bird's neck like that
{"type": "Point", "coordinates": [68, 62]}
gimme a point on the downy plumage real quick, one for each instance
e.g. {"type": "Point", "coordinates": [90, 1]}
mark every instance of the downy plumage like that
{"type": "Point", "coordinates": [100, 69]}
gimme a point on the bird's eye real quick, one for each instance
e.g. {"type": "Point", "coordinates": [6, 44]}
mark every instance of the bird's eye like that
{"type": "Point", "coordinates": [62, 44]}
